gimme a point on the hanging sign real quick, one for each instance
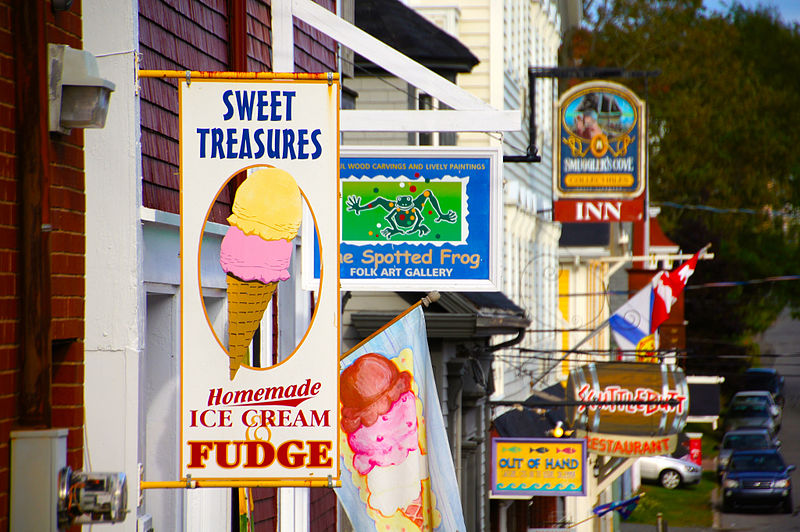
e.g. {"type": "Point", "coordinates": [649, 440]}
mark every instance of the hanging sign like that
{"type": "Point", "coordinates": [271, 149]}
{"type": "Point", "coordinates": [600, 154]}
{"type": "Point", "coordinates": [416, 219]}
{"type": "Point", "coordinates": [628, 408]}
{"type": "Point", "coordinates": [525, 467]}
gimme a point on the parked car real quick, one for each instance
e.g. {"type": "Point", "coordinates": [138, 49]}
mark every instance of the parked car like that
{"type": "Point", "coordinates": [759, 397]}
{"type": "Point", "coordinates": [741, 416]}
{"type": "Point", "coordinates": [669, 472]}
{"type": "Point", "coordinates": [742, 440]}
{"type": "Point", "coordinates": [767, 379]}
{"type": "Point", "coordinates": [757, 478]}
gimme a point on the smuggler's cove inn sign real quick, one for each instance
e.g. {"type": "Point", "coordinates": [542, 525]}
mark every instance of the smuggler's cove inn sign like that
{"type": "Point", "coordinates": [270, 149]}
{"type": "Point", "coordinates": [599, 175]}
{"type": "Point", "coordinates": [420, 219]}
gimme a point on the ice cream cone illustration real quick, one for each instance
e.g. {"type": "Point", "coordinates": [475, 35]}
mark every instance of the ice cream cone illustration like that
{"type": "Point", "coordinates": [380, 419]}
{"type": "Point", "coordinates": [256, 252]}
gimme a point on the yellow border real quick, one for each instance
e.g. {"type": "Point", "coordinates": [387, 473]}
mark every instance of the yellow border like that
{"type": "Point", "coordinates": [202, 74]}
{"type": "Point", "coordinates": [190, 484]}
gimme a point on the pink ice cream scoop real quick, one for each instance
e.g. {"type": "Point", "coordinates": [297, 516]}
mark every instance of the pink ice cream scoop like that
{"type": "Point", "coordinates": [389, 440]}
{"type": "Point", "coordinates": [251, 258]}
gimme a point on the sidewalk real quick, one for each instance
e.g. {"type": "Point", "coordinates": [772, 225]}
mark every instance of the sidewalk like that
{"type": "Point", "coordinates": [640, 527]}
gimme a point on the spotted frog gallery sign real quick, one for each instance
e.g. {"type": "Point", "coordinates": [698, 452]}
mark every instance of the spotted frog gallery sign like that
{"type": "Point", "coordinates": [420, 219]}
{"type": "Point", "coordinates": [269, 150]}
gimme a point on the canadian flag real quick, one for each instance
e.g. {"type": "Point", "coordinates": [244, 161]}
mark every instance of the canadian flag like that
{"type": "Point", "coordinates": [667, 286]}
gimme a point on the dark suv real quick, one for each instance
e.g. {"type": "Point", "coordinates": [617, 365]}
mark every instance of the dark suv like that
{"type": "Point", "coordinates": [757, 478]}
{"type": "Point", "coordinates": [767, 379]}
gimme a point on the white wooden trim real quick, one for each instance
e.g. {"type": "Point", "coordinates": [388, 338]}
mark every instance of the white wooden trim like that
{"type": "Point", "coordinates": [385, 56]}
{"type": "Point", "coordinates": [282, 36]}
{"type": "Point", "coordinates": [486, 120]}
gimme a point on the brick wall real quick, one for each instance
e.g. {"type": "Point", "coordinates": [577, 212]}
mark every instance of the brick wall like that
{"type": "Point", "coordinates": [9, 256]}
{"type": "Point", "coordinates": [63, 208]}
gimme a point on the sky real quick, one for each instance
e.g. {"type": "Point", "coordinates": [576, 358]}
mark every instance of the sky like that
{"type": "Point", "coordinates": [789, 9]}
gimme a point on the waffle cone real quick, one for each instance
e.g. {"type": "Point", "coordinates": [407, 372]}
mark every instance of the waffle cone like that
{"type": "Point", "coordinates": [247, 301]}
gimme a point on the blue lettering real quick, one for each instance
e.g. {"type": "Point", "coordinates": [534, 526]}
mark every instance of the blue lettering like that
{"type": "Point", "coordinates": [232, 142]}
{"type": "Point", "coordinates": [273, 143]}
{"type": "Point", "coordinates": [288, 144]}
{"type": "Point", "coordinates": [317, 146]}
{"type": "Point", "coordinates": [229, 108]}
{"type": "Point", "coordinates": [216, 143]}
{"type": "Point", "coordinates": [202, 131]}
{"type": "Point", "coordinates": [259, 143]}
{"type": "Point", "coordinates": [302, 142]}
{"type": "Point", "coordinates": [245, 152]}
{"type": "Point", "coordinates": [275, 106]}
{"type": "Point", "coordinates": [289, 95]}
{"type": "Point", "coordinates": [245, 104]}
{"type": "Point", "coordinates": [263, 104]}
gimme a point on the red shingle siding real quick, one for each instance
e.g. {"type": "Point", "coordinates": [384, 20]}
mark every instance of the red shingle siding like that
{"type": "Point", "coordinates": [265, 509]}
{"type": "Point", "coordinates": [259, 37]}
{"type": "Point", "coordinates": [322, 508]}
{"type": "Point", "coordinates": [314, 51]}
{"type": "Point", "coordinates": [181, 35]}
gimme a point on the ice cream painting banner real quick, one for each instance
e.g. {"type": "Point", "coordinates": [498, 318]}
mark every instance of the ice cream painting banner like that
{"type": "Point", "coordinates": [398, 470]}
{"type": "Point", "coordinates": [258, 159]}
{"type": "Point", "coordinates": [419, 219]}
{"type": "Point", "coordinates": [525, 467]}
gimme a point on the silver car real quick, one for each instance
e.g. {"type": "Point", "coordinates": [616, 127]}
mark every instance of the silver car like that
{"type": "Point", "coordinates": [741, 440]}
{"type": "Point", "coordinates": [743, 415]}
{"type": "Point", "coordinates": [759, 398]}
{"type": "Point", "coordinates": [669, 472]}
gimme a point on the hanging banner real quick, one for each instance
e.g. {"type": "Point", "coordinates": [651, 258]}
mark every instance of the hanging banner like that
{"type": "Point", "coordinates": [525, 467]}
{"type": "Point", "coordinates": [416, 219]}
{"type": "Point", "coordinates": [600, 154]}
{"type": "Point", "coordinates": [398, 470]}
{"type": "Point", "coordinates": [270, 148]}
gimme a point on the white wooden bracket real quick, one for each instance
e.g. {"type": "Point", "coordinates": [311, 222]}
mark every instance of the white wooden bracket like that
{"type": "Point", "coordinates": [469, 113]}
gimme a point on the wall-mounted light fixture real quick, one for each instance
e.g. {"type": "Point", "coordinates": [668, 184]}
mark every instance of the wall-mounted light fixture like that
{"type": "Point", "coordinates": [78, 96]}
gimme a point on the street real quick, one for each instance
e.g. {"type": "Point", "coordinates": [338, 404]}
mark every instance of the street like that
{"type": "Point", "coordinates": [782, 339]}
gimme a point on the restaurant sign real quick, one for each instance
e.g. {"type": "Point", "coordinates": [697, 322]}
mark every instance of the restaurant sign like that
{"type": "Point", "coordinates": [525, 467]}
{"type": "Point", "coordinates": [630, 409]}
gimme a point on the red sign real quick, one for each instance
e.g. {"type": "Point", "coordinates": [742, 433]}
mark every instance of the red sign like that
{"type": "Point", "coordinates": [598, 210]}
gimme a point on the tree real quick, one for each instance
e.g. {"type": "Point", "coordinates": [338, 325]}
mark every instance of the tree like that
{"type": "Point", "coordinates": [724, 128]}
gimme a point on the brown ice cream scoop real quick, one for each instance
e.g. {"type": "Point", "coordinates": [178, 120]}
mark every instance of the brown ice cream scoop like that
{"type": "Point", "coordinates": [368, 388]}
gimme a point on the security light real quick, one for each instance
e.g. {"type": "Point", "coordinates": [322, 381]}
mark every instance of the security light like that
{"type": "Point", "coordinates": [77, 94]}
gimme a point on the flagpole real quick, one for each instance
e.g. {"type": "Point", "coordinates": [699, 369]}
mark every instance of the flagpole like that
{"type": "Point", "coordinates": [700, 254]}
{"type": "Point", "coordinates": [431, 297]}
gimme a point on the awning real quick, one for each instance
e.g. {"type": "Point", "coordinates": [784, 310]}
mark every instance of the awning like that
{"type": "Point", "coordinates": [533, 419]}
{"type": "Point", "coordinates": [456, 315]}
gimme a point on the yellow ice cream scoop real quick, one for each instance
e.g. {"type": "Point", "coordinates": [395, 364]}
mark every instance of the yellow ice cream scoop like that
{"type": "Point", "coordinates": [268, 204]}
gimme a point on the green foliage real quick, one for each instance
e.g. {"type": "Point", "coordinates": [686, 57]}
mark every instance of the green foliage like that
{"type": "Point", "coordinates": [681, 507]}
{"type": "Point", "coordinates": [724, 132]}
